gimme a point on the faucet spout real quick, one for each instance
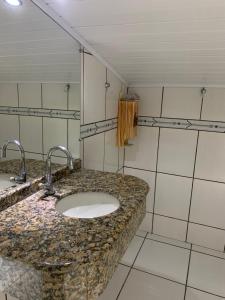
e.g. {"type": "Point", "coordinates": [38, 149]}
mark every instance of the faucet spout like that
{"type": "Point", "coordinates": [48, 170]}
{"type": "Point", "coordinates": [22, 175]}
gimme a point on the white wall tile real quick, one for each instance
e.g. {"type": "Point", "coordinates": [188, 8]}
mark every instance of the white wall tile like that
{"type": "Point", "coordinates": [149, 177]}
{"type": "Point", "coordinates": [113, 94]}
{"type": "Point", "coordinates": [146, 224]}
{"type": "Point", "coordinates": [8, 94]}
{"type": "Point", "coordinates": [33, 156]}
{"type": "Point", "coordinates": [170, 241]}
{"type": "Point", "coordinates": [12, 154]}
{"type": "Point", "coordinates": [142, 154]}
{"type": "Point", "coordinates": [207, 273]}
{"type": "Point", "coordinates": [115, 283]}
{"type": "Point", "coordinates": [30, 95]}
{"type": "Point", "coordinates": [208, 204]}
{"type": "Point", "coordinates": [210, 163]}
{"type": "Point", "coordinates": [55, 133]}
{"type": "Point", "coordinates": [214, 104]}
{"type": "Point", "coordinates": [132, 251]}
{"type": "Point", "coordinates": [177, 151]}
{"type": "Point", "coordinates": [193, 294]}
{"type": "Point", "coordinates": [208, 251]}
{"type": "Point", "coordinates": [173, 196]}
{"type": "Point", "coordinates": [150, 100]}
{"type": "Point", "coordinates": [164, 260]}
{"type": "Point", "coordinates": [182, 103]}
{"type": "Point", "coordinates": [206, 236]}
{"type": "Point", "coordinates": [54, 95]}
{"type": "Point", "coordinates": [94, 152]}
{"type": "Point", "coordinates": [121, 157]}
{"type": "Point", "coordinates": [9, 128]}
{"type": "Point", "coordinates": [111, 158]}
{"type": "Point", "coordinates": [171, 228]}
{"type": "Point", "coordinates": [31, 133]}
{"type": "Point", "coordinates": [73, 136]}
{"type": "Point", "coordinates": [145, 287]}
{"type": "Point", "coordinates": [94, 89]}
{"type": "Point", "coordinates": [74, 96]}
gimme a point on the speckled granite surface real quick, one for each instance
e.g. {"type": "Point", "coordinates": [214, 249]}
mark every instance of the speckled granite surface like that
{"type": "Point", "coordinates": [70, 258]}
{"type": "Point", "coordinates": [35, 173]}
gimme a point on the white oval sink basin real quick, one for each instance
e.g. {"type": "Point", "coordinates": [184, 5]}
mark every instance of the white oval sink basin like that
{"type": "Point", "coordinates": [87, 205]}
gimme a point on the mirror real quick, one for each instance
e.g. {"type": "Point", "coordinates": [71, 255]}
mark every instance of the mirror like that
{"type": "Point", "coordinates": [39, 83]}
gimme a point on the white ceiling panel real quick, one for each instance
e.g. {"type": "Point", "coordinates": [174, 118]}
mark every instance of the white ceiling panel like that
{"type": "Point", "coordinates": [153, 41]}
{"type": "Point", "coordinates": [34, 48]}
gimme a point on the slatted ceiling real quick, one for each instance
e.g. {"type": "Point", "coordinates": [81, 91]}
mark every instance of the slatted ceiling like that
{"type": "Point", "coordinates": [34, 48]}
{"type": "Point", "coordinates": [154, 41]}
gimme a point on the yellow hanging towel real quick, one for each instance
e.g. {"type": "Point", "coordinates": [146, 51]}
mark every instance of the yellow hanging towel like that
{"type": "Point", "coordinates": [127, 121]}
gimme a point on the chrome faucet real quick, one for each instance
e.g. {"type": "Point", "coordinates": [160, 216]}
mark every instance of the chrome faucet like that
{"type": "Point", "coordinates": [49, 189]}
{"type": "Point", "coordinates": [22, 175]}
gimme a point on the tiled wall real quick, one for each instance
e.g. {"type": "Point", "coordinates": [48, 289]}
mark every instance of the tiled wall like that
{"type": "Point", "coordinates": [182, 158]}
{"type": "Point", "coordinates": [40, 116]}
{"type": "Point", "coordinates": [98, 117]}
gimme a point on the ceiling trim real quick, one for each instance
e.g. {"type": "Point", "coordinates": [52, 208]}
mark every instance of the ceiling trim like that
{"type": "Point", "coordinates": [45, 8]}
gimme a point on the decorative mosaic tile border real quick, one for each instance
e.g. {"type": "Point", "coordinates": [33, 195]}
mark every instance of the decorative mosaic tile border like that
{"type": "Point", "coordinates": [201, 125]}
{"type": "Point", "coordinates": [91, 129]}
{"type": "Point", "coordinates": [41, 112]}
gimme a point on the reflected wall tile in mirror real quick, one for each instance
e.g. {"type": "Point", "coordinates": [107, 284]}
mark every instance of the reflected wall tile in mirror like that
{"type": "Point", "coordinates": [38, 63]}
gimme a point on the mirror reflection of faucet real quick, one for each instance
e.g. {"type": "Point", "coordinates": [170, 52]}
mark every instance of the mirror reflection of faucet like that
{"type": "Point", "coordinates": [48, 186]}
{"type": "Point", "coordinates": [21, 178]}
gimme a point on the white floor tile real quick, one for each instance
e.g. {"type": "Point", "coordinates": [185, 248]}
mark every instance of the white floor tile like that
{"type": "Point", "coordinates": [207, 273]}
{"type": "Point", "coordinates": [168, 241]}
{"type": "Point", "coordinates": [164, 260]}
{"type": "Point", "coordinates": [193, 294]}
{"type": "Point", "coordinates": [148, 287]}
{"type": "Point", "coordinates": [115, 283]}
{"type": "Point", "coordinates": [134, 247]}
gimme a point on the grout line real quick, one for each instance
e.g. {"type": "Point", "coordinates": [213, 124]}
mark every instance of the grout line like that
{"type": "Point", "coordinates": [192, 186]}
{"type": "Point", "coordinates": [201, 107]}
{"type": "Point", "coordinates": [18, 99]}
{"type": "Point", "coordinates": [178, 175]}
{"type": "Point", "coordinates": [157, 160]}
{"type": "Point", "coordinates": [168, 217]}
{"type": "Point", "coordinates": [156, 174]}
{"type": "Point", "coordinates": [194, 288]}
{"type": "Point", "coordinates": [104, 134]}
{"type": "Point", "coordinates": [170, 244]}
{"type": "Point", "coordinates": [67, 121]}
{"type": "Point", "coordinates": [189, 263]}
{"type": "Point", "coordinates": [131, 267]}
{"type": "Point", "coordinates": [159, 276]}
{"type": "Point", "coordinates": [162, 100]}
{"type": "Point", "coordinates": [42, 124]}
{"type": "Point", "coordinates": [197, 251]}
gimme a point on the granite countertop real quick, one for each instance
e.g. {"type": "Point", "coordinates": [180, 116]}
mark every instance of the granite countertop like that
{"type": "Point", "coordinates": [35, 174]}
{"type": "Point", "coordinates": [45, 255]}
{"type": "Point", "coordinates": [34, 233]}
